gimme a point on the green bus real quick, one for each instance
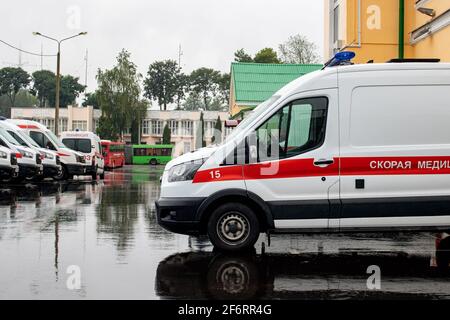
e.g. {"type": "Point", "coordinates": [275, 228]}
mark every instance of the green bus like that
{"type": "Point", "coordinates": [151, 154]}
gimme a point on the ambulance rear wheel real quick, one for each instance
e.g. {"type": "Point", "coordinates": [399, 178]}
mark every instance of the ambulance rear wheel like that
{"type": "Point", "coordinates": [233, 227]}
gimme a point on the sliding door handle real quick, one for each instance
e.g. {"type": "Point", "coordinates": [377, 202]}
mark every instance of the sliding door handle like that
{"type": "Point", "coordinates": [323, 162]}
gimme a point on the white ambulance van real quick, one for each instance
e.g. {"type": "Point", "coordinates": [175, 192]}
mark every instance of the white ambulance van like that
{"type": "Point", "coordinates": [72, 162]}
{"type": "Point", "coordinates": [89, 144]}
{"type": "Point", "coordinates": [29, 160]}
{"type": "Point", "coordinates": [345, 149]}
{"type": "Point", "coordinates": [50, 160]}
{"type": "Point", "coordinates": [8, 164]}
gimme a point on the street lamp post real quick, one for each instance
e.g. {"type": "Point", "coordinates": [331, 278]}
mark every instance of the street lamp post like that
{"type": "Point", "coordinates": [58, 75]}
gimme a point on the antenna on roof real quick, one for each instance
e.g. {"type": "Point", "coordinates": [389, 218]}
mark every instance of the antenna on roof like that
{"type": "Point", "coordinates": [343, 58]}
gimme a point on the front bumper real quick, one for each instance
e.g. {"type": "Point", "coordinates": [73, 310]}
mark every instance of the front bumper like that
{"type": "Point", "coordinates": [7, 171]}
{"type": "Point", "coordinates": [76, 169]}
{"type": "Point", "coordinates": [28, 170]}
{"type": "Point", "coordinates": [179, 214]}
{"type": "Point", "coordinates": [90, 169]}
{"type": "Point", "coordinates": [51, 170]}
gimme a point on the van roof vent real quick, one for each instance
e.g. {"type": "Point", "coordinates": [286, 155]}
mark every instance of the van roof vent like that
{"type": "Point", "coordinates": [433, 60]}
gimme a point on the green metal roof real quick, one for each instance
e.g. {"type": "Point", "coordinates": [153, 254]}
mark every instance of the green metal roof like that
{"type": "Point", "coordinates": [256, 82]}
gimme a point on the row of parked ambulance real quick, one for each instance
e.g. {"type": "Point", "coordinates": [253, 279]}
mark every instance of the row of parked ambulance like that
{"type": "Point", "coordinates": [29, 151]}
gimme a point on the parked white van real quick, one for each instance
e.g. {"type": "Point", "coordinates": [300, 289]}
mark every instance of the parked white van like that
{"type": "Point", "coordinates": [345, 149]}
{"type": "Point", "coordinates": [50, 160]}
{"type": "Point", "coordinates": [29, 161]}
{"type": "Point", "coordinates": [89, 144]}
{"type": "Point", "coordinates": [72, 162]}
{"type": "Point", "coordinates": [9, 168]}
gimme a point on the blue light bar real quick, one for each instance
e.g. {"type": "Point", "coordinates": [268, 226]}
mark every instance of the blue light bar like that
{"type": "Point", "coordinates": [345, 56]}
{"type": "Point", "coordinates": [341, 58]}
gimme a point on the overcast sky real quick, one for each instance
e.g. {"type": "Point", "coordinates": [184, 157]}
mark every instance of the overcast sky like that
{"type": "Point", "coordinates": [209, 31]}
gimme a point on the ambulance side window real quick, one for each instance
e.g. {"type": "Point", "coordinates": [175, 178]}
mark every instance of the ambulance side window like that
{"type": "Point", "coordinates": [38, 138]}
{"type": "Point", "coordinates": [297, 128]}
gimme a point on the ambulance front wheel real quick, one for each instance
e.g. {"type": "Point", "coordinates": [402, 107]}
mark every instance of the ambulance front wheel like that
{"type": "Point", "coordinates": [233, 227]}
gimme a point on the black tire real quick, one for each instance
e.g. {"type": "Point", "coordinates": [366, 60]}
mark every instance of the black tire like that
{"type": "Point", "coordinates": [234, 278]}
{"type": "Point", "coordinates": [153, 162]}
{"type": "Point", "coordinates": [233, 227]}
{"type": "Point", "coordinates": [63, 176]}
{"type": "Point", "coordinates": [443, 255]}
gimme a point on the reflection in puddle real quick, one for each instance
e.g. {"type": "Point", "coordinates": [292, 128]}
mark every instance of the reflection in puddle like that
{"type": "Point", "coordinates": [207, 275]}
{"type": "Point", "coordinates": [109, 230]}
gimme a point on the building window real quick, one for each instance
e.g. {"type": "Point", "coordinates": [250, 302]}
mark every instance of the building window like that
{"type": "Point", "coordinates": [187, 147]}
{"type": "Point", "coordinates": [228, 131]}
{"type": "Point", "coordinates": [80, 125]}
{"type": "Point", "coordinates": [96, 125]}
{"type": "Point", "coordinates": [173, 126]}
{"type": "Point", "coordinates": [187, 128]}
{"type": "Point", "coordinates": [209, 129]}
{"type": "Point", "coordinates": [156, 127]}
{"type": "Point", "coordinates": [146, 127]}
{"type": "Point", "coordinates": [63, 124]}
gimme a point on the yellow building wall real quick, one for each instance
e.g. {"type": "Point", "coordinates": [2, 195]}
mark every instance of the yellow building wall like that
{"type": "Point", "coordinates": [379, 21]}
{"type": "Point", "coordinates": [436, 45]}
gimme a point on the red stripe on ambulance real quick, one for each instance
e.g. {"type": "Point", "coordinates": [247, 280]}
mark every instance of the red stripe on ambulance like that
{"type": "Point", "coordinates": [351, 166]}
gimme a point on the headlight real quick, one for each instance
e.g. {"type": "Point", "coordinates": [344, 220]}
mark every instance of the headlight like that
{"type": "Point", "coordinates": [185, 171]}
{"type": "Point", "coordinates": [48, 156]}
{"type": "Point", "coordinates": [26, 154]}
{"type": "Point", "coordinates": [80, 159]}
{"type": "Point", "coordinates": [3, 155]}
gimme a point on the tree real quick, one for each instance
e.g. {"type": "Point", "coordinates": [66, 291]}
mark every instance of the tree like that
{"type": "Point", "coordinates": [200, 141]}
{"type": "Point", "coordinates": [298, 49]}
{"type": "Point", "coordinates": [166, 135]}
{"type": "Point", "coordinates": [183, 85]}
{"type": "Point", "coordinates": [118, 95]}
{"type": "Point", "coordinates": [163, 82]}
{"type": "Point", "coordinates": [266, 55]}
{"type": "Point", "coordinates": [70, 90]}
{"type": "Point", "coordinates": [193, 102]}
{"type": "Point", "coordinates": [242, 56]}
{"type": "Point", "coordinates": [23, 99]}
{"type": "Point", "coordinates": [136, 120]}
{"type": "Point", "coordinates": [91, 99]}
{"type": "Point", "coordinates": [11, 81]}
{"type": "Point", "coordinates": [224, 88]}
{"type": "Point", "coordinates": [44, 87]}
{"type": "Point", "coordinates": [204, 82]}
{"type": "Point", "coordinates": [217, 137]}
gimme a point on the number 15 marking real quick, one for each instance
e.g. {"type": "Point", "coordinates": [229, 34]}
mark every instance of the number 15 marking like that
{"type": "Point", "coordinates": [215, 174]}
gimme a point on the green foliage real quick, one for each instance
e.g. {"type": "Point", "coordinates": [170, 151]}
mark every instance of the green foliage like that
{"type": "Point", "coordinates": [298, 49]}
{"type": "Point", "coordinates": [44, 87]}
{"type": "Point", "coordinates": [267, 55]}
{"type": "Point", "coordinates": [167, 135]}
{"type": "Point", "coordinates": [91, 99]}
{"type": "Point", "coordinates": [242, 56]}
{"type": "Point", "coordinates": [69, 91]}
{"type": "Point", "coordinates": [164, 82]}
{"type": "Point", "coordinates": [217, 137]}
{"type": "Point", "coordinates": [23, 99]}
{"type": "Point", "coordinates": [224, 88]}
{"type": "Point", "coordinates": [205, 83]}
{"type": "Point", "coordinates": [118, 95]}
{"type": "Point", "coordinates": [11, 81]}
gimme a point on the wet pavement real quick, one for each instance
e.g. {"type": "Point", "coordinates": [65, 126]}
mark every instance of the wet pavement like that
{"type": "Point", "coordinates": [107, 232]}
